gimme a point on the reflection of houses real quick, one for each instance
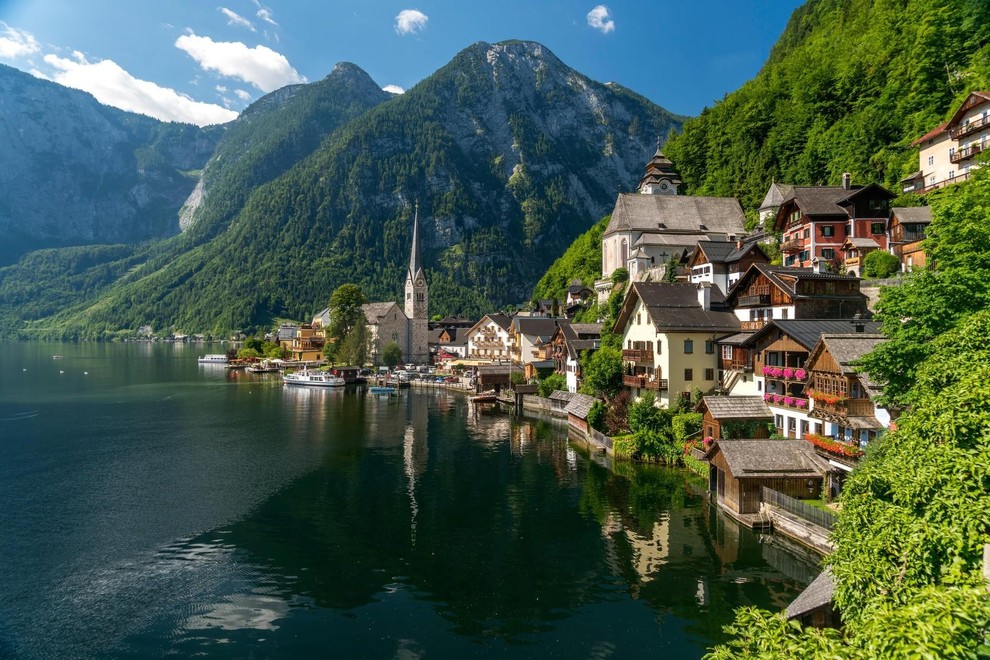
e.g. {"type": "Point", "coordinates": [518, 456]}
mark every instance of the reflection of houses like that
{"type": "Point", "coordinates": [669, 334]}
{"type": "Point", "coordinates": [844, 399]}
{"type": "Point", "coordinates": [490, 339]}
{"type": "Point", "coordinates": [735, 417]}
{"type": "Point", "coordinates": [948, 153]}
{"type": "Point", "coordinates": [655, 224]}
{"type": "Point", "coordinates": [566, 346]}
{"type": "Point", "coordinates": [722, 263]}
{"type": "Point", "coordinates": [908, 228]}
{"type": "Point", "coordinates": [815, 221]}
{"type": "Point", "coordinates": [739, 469]}
{"type": "Point", "coordinates": [765, 293]}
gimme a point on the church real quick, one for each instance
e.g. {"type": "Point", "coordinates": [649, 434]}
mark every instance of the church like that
{"type": "Point", "coordinates": [406, 325]}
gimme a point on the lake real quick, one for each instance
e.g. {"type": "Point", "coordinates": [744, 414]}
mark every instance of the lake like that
{"type": "Point", "coordinates": [152, 506]}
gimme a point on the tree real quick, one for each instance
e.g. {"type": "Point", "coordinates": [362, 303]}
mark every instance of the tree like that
{"type": "Point", "coordinates": [602, 371]}
{"type": "Point", "coordinates": [391, 355]}
{"type": "Point", "coordinates": [354, 347]}
{"type": "Point", "coordinates": [345, 309]}
{"type": "Point", "coordinates": [552, 383]}
{"type": "Point", "coordinates": [880, 264]}
{"type": "Point", "coordinates": [620, 275]}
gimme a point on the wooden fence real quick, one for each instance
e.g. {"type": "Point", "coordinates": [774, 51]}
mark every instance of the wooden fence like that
{"type": "Point", "coordinates": [814, 515]}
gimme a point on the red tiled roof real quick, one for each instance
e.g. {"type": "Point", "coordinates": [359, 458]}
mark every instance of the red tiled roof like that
{"type": "Point", "coordinates": [938, 130]}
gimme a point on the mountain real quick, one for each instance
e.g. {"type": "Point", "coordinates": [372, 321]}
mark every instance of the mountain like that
{"type": "Point", "coordinates": [847, 87]}
{"type": "Point", "coordinates": [509, 153]}
{"type": "Point", "coordinates": [75, 172]}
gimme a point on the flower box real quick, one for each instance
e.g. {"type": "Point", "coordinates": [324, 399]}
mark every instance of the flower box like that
{"type": "Point", "coordinates": [778, 398]}
{"type": "Point", "coordinates": [768, 397]}
{"type": "Point", "coordinates": [833, 446]}
{"type": "Point", "coordinates": [788, 373]}
{"type": "Point", "coordinates": [801, 403]}
{"type": "Point", "coordinates": [788, 401]}
{"type": "Point", "coordinates": [800, 374]}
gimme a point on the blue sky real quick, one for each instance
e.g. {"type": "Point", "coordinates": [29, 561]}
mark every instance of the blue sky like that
{"type": "Point", "coordinates": [203, 62]}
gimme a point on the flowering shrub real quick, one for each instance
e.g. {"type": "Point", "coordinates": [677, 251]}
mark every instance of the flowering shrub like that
{"type": "Point", "coordinates": [768, 397]}
{"type": "Point", "coordinates": [788, 401]}
{"type": "Point", "coordinates": [834, 446]}
{"type": "Point", "coordinates": [788, 373]}
{"type": "Point", "coordinates": [800, 374]}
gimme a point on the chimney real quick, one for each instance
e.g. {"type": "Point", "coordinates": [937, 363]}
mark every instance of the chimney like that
{"type": "Point", "coordinates": [818, 265]}
{"type": "Point", "coordinates": [739, 244]}
{"type": "Point", "coordinates": [847, 180]}
{"type": "Point", "coordinates": [858, 324]}
{"type": "Point", "coordinates": [705, 296]}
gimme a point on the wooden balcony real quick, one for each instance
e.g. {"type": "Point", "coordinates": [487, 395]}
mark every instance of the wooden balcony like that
{"type": "Point", "coordinates": [752, 325]}
{"type": "Point", "coordinates": [970, 128]}
{"type": "Point", "coordinates": [792, 246]}
{"type": "Point", "coordinates": [965, 152]}
{"type": "Point", "coordinates": [847, 408]}
{"type": "Point", "coordinates": [761, 300]}
{"type": "Point", "coordinates": [644, 382]}
{"type": "Point", "coordinates": [638, 355]}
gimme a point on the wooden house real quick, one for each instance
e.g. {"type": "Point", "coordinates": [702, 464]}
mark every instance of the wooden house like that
{"type": "Point", "coordinates": [813, 606]}
{"type": "Point", "coordinates": [722, 263]}
{"type": "Point", "coordinates": [907, 230]}
{"type": "Point", "coordinates": [577, 411]}
{"type": "Point", "coordinates": [735, 417]}
{"type": "Point", "coordinates": [739, 469]}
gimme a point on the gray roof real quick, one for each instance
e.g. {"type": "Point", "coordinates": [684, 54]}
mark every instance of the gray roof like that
{"type": "Point", "coordinates": [761, 459]}
{"type": "Point", "coordinates": [501, 320]}
{"type": "Point", "coordinates": [636, 212]}
{"type": "Point", "coordinates": [817, 594]}
{"type": "Point", "coordinates": [538, 326]}
{"type": "Point", "coordinates": [541, 364]}
{"type": "Point", "coordinates": [737, 339]}
{"type": "Point", "coordinates": [560, 395]}
{"type": "Point", "coordinates": [587, 330]}
{"type": "Point", "coordinates": [376, 310]}
{"type": "Point", "coordinates": [737, 407]}
{"type": "Point", "coordinates": [676, 307]}
{"type": "Point", "coordinates": [849, 347]}
{"type": "Point", "coordinates": [862, 243]}
{"type": "Point", "coordinates": [579, 405]}
{"type": "Point", "coordinates": [786, 279]}
{"type": "Point", "coordinates": [819, 200]}
{"type": "Point", "coordinates": [808, 332]}
{"type": "Point", "coordinates": [727, 252]}
{"type": "Point", "coordinates": [776, 195]}
{"type": "Point", "coordinates": [913, 214]}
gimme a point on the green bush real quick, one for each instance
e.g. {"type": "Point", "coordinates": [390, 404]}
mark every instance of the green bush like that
{"type": "Point", "coordinates": [551, 384]}
{"type": "Point", "coordinates": [880, 264]}
{"type": "Point", "coordinates": [596, 416]}
{"type": "Point", "coordinates": [685, 425]}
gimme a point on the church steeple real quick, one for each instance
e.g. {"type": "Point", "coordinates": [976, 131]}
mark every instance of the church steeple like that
{"type": "Point", "coordinates": [661, 178]}
{"type": "Point", "coordinates": [416, 290]}
{"type": "Point", "coordinates": [414, 264]}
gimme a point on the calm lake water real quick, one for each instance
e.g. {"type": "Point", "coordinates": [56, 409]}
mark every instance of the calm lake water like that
{"type": "Point", "coordinates": [152, 506]}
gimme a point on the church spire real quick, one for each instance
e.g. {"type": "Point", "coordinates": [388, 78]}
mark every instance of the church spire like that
{"type": "Point", "coordinates": [414, 263]}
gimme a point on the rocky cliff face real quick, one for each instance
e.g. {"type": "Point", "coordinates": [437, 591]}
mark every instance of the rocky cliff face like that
{"type": "Point", "coordinates": [73, 171]}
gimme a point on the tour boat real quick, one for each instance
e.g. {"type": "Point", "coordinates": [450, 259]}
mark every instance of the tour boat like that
{"type": "Point", "coordinates": [213, 358]}
{"type": "Point", "coordinates": [313, 379]}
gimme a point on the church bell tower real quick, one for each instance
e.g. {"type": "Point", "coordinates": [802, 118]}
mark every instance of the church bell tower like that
{"type": "Point", "coordinates": [417, 302]}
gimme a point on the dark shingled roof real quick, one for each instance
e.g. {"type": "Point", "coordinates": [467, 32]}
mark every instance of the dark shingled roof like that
{"type": "Point", "coordinates": [636, 212]}
{"type": "Point", "coordinates": [560, 395]}
{"type": "Point", "coordinates": [539, 326]}
{"type": "Point", "coordinates": [819, 200]}
{"type": "Point", "coordinates": [913, 214]}
{"type": "Point", "coordinates": [579, 405]}
{"type": "Point", "coordinates": [849, 347]}
{"type": "Point", "coordinates": [776, 195]}
{"type": "Point", "coordinates": [762, 459]}
{"type": "Point", "coordinates": [501, 320]}
{"type": "Point", "coordinates": [817, 594]}
{"type": "Point", "coordinates": [808, 332]}
{"type": "Point", "coordinates": [676, 307]}
{"type": "Point", "coordinates": [737, 407]}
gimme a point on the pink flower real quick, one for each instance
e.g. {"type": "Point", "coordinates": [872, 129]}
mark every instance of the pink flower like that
{"type": "Point", "coordinates": [768, 397]}
{"type": "Point", "coordinates": [767, 370]}
{"type": "Point", "coordinates": [788, 373]}
{"type": "Point", "coordinates": [800, 403]}
{"type": "Point", "coordinates": [778, 398]}
{"type": "Point", "coordinates": [789, 400]}
{"type": "Point", "coordinates": [800, 374]}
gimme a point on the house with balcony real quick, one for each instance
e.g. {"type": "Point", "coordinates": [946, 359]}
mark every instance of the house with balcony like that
{"type": "Point", "coordinates": [448, 343]}
{"type": "Point", "coordinates": [529, 334]}
{"type": "Point", "coordinates": [307, 344]}
{"type": "Point", "coordinates": [844, 398]}
{"type": "Point", "coordinates": [906, 230]}
{"type": "Point", "coordinates": [490, 339]}
{"type": "Point", "coordinates": [734, 418]}
{"type": "Point", "coordinates": [722, 263]}
{"type": "Point", "coordinates": [815, 221]}
{"type": "Point", "coordinates": [948, 152]}
{"type": "Point", "coordinates": [566, 346]}
{"type": "Point", "coordinates": [669, 337]}
{"type": "Point", "coordinates": [655, 224]}
{"type": "Point", "coordinates": [765, 293]}
{"type": "Point", "coordinates": [854, 250]}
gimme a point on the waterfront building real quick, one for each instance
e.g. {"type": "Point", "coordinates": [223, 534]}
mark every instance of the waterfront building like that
{"type": "Point", "coordinates": [734, 417]}
{"type": "Point", "coordinates": [490, 339]}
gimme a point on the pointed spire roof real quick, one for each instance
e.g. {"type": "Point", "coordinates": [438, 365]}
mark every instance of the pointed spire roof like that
{"type": "Point", "coordinates": [659, 167]}
{"type": "Point", "coordinates": [415, 266]}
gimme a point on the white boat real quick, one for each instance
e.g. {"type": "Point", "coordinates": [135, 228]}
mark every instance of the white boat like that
{"type": "Point", "coordinates": [313, 379]}
{"type": "Point", "coordinates": [213, 358]}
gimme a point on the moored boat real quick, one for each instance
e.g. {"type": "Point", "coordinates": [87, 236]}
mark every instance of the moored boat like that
{"type": "Point", "coordinates": [213, 358]}
{"type": "Point", "coordinates": [313, 379]}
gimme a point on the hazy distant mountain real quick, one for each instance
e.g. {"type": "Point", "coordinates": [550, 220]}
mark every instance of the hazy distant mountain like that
{"type": "Point", "coordinates": [509, 153]}
{"type": "Point", "coordinates": [73, 171]}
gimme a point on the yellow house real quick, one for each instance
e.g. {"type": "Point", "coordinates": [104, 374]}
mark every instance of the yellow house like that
{"type": "Point", "coordinates": [670, 339]}
{"type": "Point", "coordinates": [307, 345]}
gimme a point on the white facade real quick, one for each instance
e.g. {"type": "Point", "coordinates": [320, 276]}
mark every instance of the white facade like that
{"type": "Point", "coordinates": [948, 154]}
{"type": "Point", "coordinates": [488, 340]}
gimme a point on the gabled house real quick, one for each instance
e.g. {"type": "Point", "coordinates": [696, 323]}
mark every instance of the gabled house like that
{"type": "Point", "coordinates": [816, 220]}
{"type": "Point", "coordinates": [734, 417]}
{"type": "Point", "coordinates": [854, 250]}
{"type": "Point", "coordinates": [448, 343]}
{"type": "Point", "coordinates": [529, 334]}
{"type": "Point", "coordinates": [387, 322]}
{"type": "Point", "coordinates": [722, 263]}
{"type": "Point", "coordinates": [566, 346]}
{"type": "Point", "coordinates": [845, 399]}
{"type": "Point", "coordinates": [669, 337]}
{"type": "Point", "coordinates": [307, 344]}
{"type": "Point", "coordinates": [765, 293]}
{"type": "Point", "coordinates": [490, 339]}
{"type": "Point", "coordinates": [947, 153]}
{"type": "Point", "coordinates": [907, 229]}
{"type": "Point", "coordinates": [654, 224]}
{"type": "Point", "coordinates": [579, 293]}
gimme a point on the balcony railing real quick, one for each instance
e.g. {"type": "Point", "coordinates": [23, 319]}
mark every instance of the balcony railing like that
{"type": "Point", "coordinates": [645, 383]}
{"type": "Point", "coordinates": [791, 246]}
{"type": "Point", "coordinates": [741, 365]}
{"type": "Point", "coordinates": [787, 401]}
{"type": "Point", "coordinates": [639, 355]}
{"type": "Point", "coordinates": [794, 374]}
{"type": "Point", "coordinates": [752, 325]}
{"type": "Point", "coordinates": [761, 300]}
{"type": "Point", "coordinates": [847, 408]}
{"type": "Point", "coordinates": [958, 178]}
{"type": "Point", "coordinates": [969, 128]}
{"type": "Point", "coordinates": [966, 152]}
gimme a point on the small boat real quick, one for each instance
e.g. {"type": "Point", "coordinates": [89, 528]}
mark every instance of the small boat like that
{"type": "Point", "coordinates": [213, 358]}
{"type": "Point", "coordinates": [381, 389]}
{"type": "Point", "coordinates": [313, 379]}
{"type": "Point", "coordinates": [58, 357]}
{"type": "Point", "coordinates": [485, 397]}
{"type": "Point", "coordinates": [263, 367]}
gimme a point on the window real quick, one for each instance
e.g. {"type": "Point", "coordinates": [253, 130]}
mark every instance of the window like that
{"type": "Point", "coordinates": [709, 347]}
{"type": "Point", "coordinates": [828, 253]}
{"type": "Point", "coordinates": [807, 233]}
{"type": "Point", "coordinates": [688, 346]}
{"type": "Point", "coordinates": [952, 152]}
{"type": "Point", "coordinates": [638, 320]}
{"type": "Point", "coordinates": [726, 352]}
{"type": "Point", "coordinates": [828, 230]}
{"type": "Point", "coordinates": [783, 313]}
{"type": "Point", "coordinates": [689, 374]}
{"type": "Point", "coordinates": [931, 160]}
{"type": "Point", "coordinates": [952, 174]}
{"type": "Point", "coordinates": [804, 427]}
{"type": "Point", "coordinates": [759, 386]}
{"type": "Point", "coordinates": [846, 230]}
{"type": "Point", "coordinates": [791, 424]}
{"type": "Point", "coordinates": [709, 374]}
{"type": "Point", "coordinates": [876, 228]}
{"type": "Point", "coordinates": [778, 421]}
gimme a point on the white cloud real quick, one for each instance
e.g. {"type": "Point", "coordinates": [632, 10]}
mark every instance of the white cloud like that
{"type": "Point", "coordinates": [266, 15]}
{"type": "Point", "coordinates": [112, 85]}
{"type": "Point", "coordinates": [16, 43]}
{"type": "Point", "coordinates": [393, 89]}
{"type": "Point", "coordinates": [242, 95]}
{"type": "Point", "coordinates": [410, 21]}
{"type": "Point", "coordinates": [236, 19]}
{"type": "Point", "coordinates": [600, 18]}
{"type": "Point", "coordinates": [259, 66]}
